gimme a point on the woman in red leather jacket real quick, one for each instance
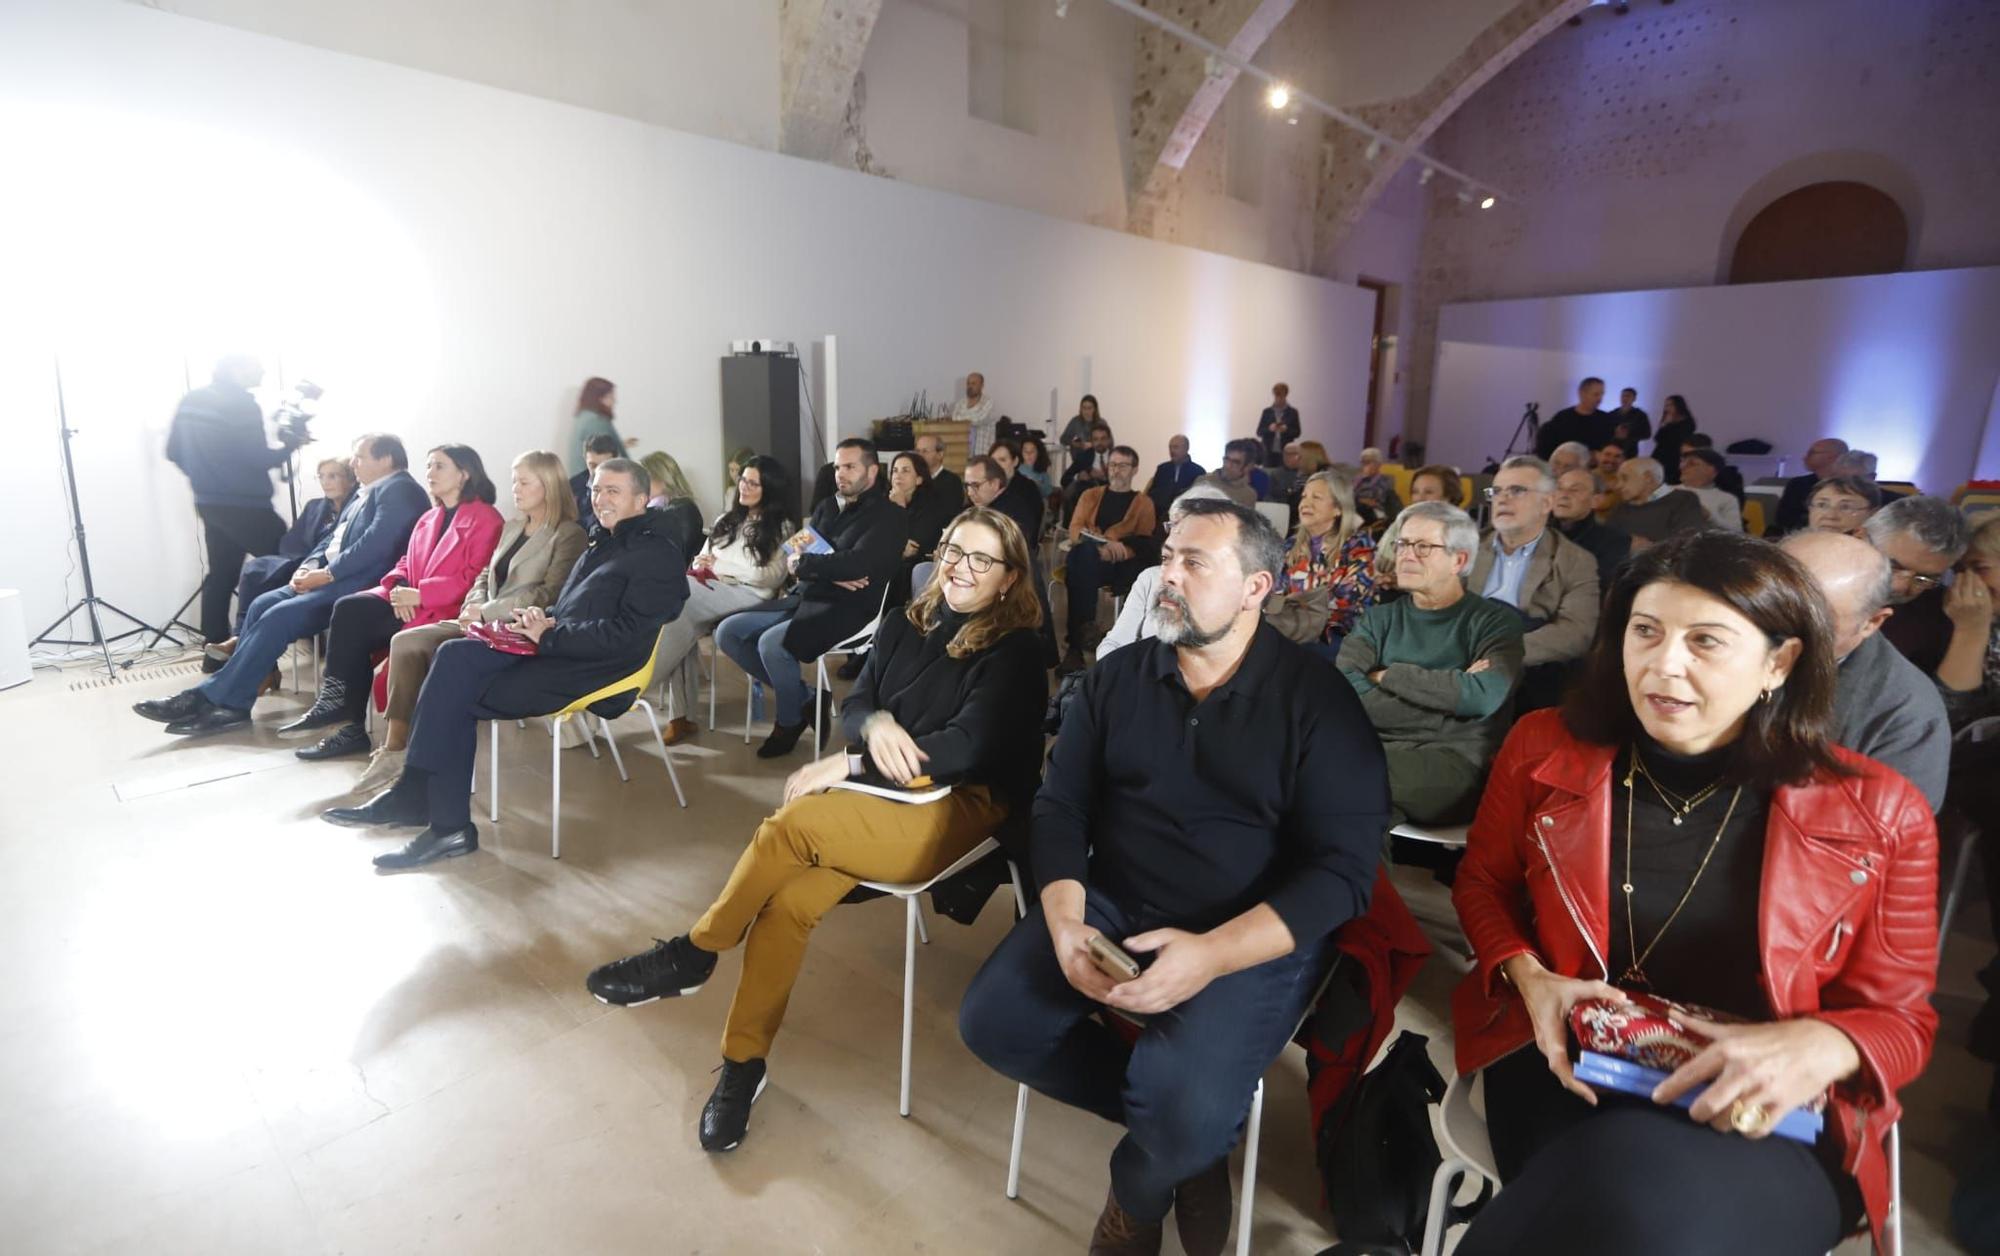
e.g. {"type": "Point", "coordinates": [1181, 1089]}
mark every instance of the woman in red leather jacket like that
{"type": "Point", "coordinates": [1683, 827]}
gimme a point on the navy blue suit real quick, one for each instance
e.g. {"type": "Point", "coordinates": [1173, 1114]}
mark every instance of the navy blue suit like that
{"type": "Point", "coordinates": [270, 571]}
{"type": "Point", "coordinates": [377, 525]}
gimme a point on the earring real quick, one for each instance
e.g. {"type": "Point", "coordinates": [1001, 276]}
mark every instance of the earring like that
{"type": "Point", "coordinates": [1763, 695]}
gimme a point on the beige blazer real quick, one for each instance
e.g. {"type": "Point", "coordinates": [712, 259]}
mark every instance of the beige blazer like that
{"type": "Point", "coordinates": [1559, 588]}
{"type": "Point", "coordinates": [535, 576]}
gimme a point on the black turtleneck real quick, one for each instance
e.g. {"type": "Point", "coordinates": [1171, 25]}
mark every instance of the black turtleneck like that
{"type": "Point", "coordinates": [1710, 953]}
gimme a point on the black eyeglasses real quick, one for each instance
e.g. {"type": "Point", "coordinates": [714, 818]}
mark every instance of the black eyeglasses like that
{"type": "Point", "coordinates": [980, 563]}
{"type": "Point", "coordinates": [1422, 549]}
{"type": "Point", "coordinates": [1917, 578]}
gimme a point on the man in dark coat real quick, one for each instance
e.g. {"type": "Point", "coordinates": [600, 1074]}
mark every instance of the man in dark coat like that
{"type": "Point", "coordinates": [839, 593]}
{"type": "Point", "coordinates": [605, 624]}
{"type": "Point", "coordinates": [1278, 426]}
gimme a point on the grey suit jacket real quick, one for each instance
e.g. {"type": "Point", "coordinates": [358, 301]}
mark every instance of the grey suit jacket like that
{"type": "Point", "coordinates": [1559, 588]}
{"type": "Point", "coordinates": [535, 576]}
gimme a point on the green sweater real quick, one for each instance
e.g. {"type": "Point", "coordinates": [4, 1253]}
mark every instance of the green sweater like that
{"type": "Point", "coordinates": [589, 423]}
{"type": "Point", "coordinates": [1425, 694]}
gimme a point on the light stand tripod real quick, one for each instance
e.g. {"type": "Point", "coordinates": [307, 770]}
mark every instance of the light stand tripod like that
{"type": "Point", "coordinates": [1527, 429]}
{"type": "Point", "coordinates": [90, 601]}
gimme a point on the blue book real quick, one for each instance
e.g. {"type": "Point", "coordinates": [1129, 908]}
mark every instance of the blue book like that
{"type": "Point", "coordinates": [807, 540]}
{"type": "Point", "coordinates": [1612, 1073]}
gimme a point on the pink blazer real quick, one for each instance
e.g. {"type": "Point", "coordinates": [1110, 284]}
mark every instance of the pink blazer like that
{"type": "Point", "coordinates": [441, 563]}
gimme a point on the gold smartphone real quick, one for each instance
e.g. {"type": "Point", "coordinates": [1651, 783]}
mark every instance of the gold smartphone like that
{"type": "Point", "coordinates": [1111, 959]}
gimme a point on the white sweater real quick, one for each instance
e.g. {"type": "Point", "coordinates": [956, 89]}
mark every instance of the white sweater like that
{"type": "Point", "coordinates": [735, 564]}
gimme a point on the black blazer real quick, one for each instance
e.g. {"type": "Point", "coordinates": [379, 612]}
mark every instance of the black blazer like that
{"type": "Point", "coordinates": [867, 540]}
{"type": "Point", "coordinates": [1608, 545]}
{"type": "Point", "coordinates": [933, 506]}
{"type": "Point", "coordinates": [1271, 424]}
{"type": "Point", "coordinates": [1021, 501]}
{"type": "Point", "coordinates": [628, 583]}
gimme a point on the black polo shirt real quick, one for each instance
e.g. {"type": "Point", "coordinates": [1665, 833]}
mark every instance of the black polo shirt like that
{"type": "Point", "coordinates": [1273, 789]}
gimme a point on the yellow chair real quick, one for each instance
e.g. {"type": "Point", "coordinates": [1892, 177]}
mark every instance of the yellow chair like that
{"type": "Point", "coordinates": [637, 684]}
{"type": "Point", "coordinates": [1753, 516]}
{"type": "Point", "coordinates": [1399, 475]}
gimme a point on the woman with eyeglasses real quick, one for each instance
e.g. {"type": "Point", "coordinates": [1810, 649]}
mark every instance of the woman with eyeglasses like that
{"type": "Point", "coordinates": [741, 564]}
{"type": "Point", "coordinates": [1684, 827]}
{"type": "Point", "coordinates": [1842, 504]}
{"type": "Point", "coordinates": [951, 696]}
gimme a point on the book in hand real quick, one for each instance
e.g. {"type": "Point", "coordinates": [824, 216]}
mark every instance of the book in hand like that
{"type": "Point", "coordinates": [807, 541]}
{"type": "Point", "coordinates": [502, 638]}
{"type": "Point", "coordinates": [1098, 537]}
{"type": "Point", "coordinates": [920, 788]}
{"type": "Point", "coordinates": [1608, 1071]}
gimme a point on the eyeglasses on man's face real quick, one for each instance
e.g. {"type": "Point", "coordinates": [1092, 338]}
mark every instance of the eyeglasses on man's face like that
{"type": "Point", "coordinates": [1421, 550]}
{"type": "Point", "coordinates": [1839, 506]}
{"type": "Point", "coordinates": [1917, 579]}
{"type": "Point", "coordinates": [980, 563]}
{"type": "Point", "coordinates": [1509, 492]}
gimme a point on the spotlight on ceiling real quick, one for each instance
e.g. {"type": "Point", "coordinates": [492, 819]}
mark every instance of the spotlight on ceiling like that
{"type": "Point", "coordinates": [1488, 203]}
{"type": "Point", "coordinates": [1429, 173]}
{"type": "Point", "coordinates": [1374, 148]}
{"type": "Point", "coordinates": [1465, 198]}
{"type": "Point", "coordinates": [1278, 96]}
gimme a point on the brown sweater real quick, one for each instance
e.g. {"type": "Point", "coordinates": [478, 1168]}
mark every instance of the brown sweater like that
{"type": "Point", "coordinates": [1138, 520]}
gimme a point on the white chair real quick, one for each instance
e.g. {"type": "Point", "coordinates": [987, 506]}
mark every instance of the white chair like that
{"type": "Point", "coordinates": [1253, 1128]}
{"type": "Point", "coordinates": [913, 928]}
{"type": "Point", "coordinates": [858, 643]}
{"type": "Point", "coordinates": [1467, 1151]}
{"type": "Point", "coordinates": [636, 684]}
{"type": "Point", "coordinates": [1445, 837]}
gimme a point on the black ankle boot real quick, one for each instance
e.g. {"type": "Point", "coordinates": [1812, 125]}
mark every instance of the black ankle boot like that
{"type": "Point", "coordinates": [783, 737]}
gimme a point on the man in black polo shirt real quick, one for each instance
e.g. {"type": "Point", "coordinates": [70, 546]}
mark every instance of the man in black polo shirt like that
{"type": "Point", "coordinates": [1215, 805]}
{"type": "Point", "coordinates": [1582, 421]}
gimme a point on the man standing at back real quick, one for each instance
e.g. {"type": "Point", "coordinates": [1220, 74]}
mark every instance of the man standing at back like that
{"type": "Point", "coordinates": [1582, 421]}
{"type": "Point", "coordinates": [1215, 806]}
{"type": "Point", "coordinates": [1278, 426]}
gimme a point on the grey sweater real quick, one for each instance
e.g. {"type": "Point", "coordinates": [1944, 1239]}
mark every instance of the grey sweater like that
{"type": "Point", "coordinates": [1888, 710]}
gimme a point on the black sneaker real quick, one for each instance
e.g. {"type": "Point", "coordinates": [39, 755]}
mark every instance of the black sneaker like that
{"type": "Point", "coordinates": [783, 739]}
{"type": "Point", "coordinates": [672, 968]}
{"type": "Point", "coordinates": [725, 1118]}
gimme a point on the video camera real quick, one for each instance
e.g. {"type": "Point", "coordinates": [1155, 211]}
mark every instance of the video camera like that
{"type": "Point", "coordinates": [293, 418]}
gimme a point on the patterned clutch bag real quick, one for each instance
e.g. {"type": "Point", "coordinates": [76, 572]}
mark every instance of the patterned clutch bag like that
{"type": "Point", "coordinates": [1647, 1031]}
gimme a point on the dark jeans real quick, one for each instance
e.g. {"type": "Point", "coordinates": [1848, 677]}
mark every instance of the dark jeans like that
{"type": "Point", "coordinates": [261, 575]}
{"type": "Point", "coordinates": [1642, 1180]}
{"type": "Point", "coordinates": [1182, 1093]}
{"type": "Point", "coordinates": [444, 735]}
{"type": "Point", "coordinates": [362, 624]}
{"type": "Point", "coordinates": [1088, 571]}
{"type": "Point", "coordinates": [231, 533]}
{"type": "Point", "coordinates": [275, 620]}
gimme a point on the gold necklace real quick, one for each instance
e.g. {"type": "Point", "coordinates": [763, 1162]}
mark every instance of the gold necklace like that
{"type": "Point", "coordinates": [1635, 972]}
{"type": "Point", "coordinates": [1678, 807]}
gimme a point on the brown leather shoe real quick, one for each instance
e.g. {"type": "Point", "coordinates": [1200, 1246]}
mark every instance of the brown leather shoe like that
{"type": "Point", "coordinates": [1201, 1210]}
{"type": "Point", "coordinates": [1119, 1234]}
{"type": "Point", "coordinates": [678, 730]}
{"type": "Point", "coordinates": [272, 683]}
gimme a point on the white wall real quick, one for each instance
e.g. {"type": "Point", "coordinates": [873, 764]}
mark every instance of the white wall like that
{"type": "Point", "coordinates": [1903, 365]}
{"type": "Point", "coordinates": [451, 260]}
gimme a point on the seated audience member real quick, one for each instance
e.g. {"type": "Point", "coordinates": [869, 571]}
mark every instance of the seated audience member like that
{"type": "Point", "coordinates": [1675, 432]}
{"type": "Point", "coordinates": [1284, 478]}
{"type": "Point", "coordinates": [930, 448]}
{"type": "Point", "coordinates": [1574, 506]}
{"type": "Point", "coordinates": [1793, 505]}
{"type": "Point", "coordinates": [1075, 438]}
{"type": "Point", "coordinates": [986, 485]}
{"type": "Point", "coordinates": [1436, 483]}
{"type": "Point", "coordinates": [1571, 454]}
{"type": "Point", "coordinates": [1922, 537]}
{"type": "Point", "coordinates": [1699, 469]}
{"type": "Point", "coordinates": [1233, 478]}
{"type": "Point", "coordinates": [1277, 427]}
{"type": "Point", "coordinates": [1969, 674]}
{"type": "Point", "coordinates": [838, 594]}
{"type": "Point", "coordinates": [597, 451]}
{"type": "Point", "coordinates": [369, 538]}
{"type": "Point", "coordinates": [629, 582]}
{"type": "Point", "coordinates": [953, 692]}
{"type": "Point", "coordinates": [1842, 504]}
{"type": "Point", "coordinates": [1260, 478]}
{"type": "Point", "coordinates": [1883, 707]}
{"type": "Point", "coordinates": [1035, 468]}
{"type": "Point", "coordinates": [1172, 477]}
{"type": "Point", "coordinates": [1329, 573]}
{"type": "Point", "coordinates": [450, 545]}
{"type": "Point", "coordinates": [1123, 518]}
{"type": "Point", "coordinates": [265, 572]}
{"type": "Point", "coordinates": [1549, 579]}
{"type": "Point", "coordinates": [1630, 424]}
{"type": "Point", "coordinates": [1374, 492]}
{"type": "Point", "coordinates": [926, 511]}
{"type": "Point", "coordinates": [1139, 620]}
{"type": "Point", "coordinates": [1709, 698]}
{"type": "Point", "coordinates": [1580, 422]}
{"type": "Point", "coordinates": [1856, 464]}
{"type": "Point", "coordinates": [1019, 489]}
{"type": "Point", "coordinates": [673, 500]}
{"type": "Point", "coordinates": [1650, 510]}
{"type": "Point", "coordinates": [1610, 459]}
{"type": "Point", "coordinates": [533, 557]}
{"type": "Point", "coordinates": [1313, 459]}
{"type": "Point", "coordinates": [1727, 477]}
{"type": "Point", "coordinates": [1221, 854]}
{"type": "Point", "coordinates": [1087, 469]}
{"type": "Point", "coordinates": [1435, 670]}
{"type": "Point", "coordinates": [741, 566]}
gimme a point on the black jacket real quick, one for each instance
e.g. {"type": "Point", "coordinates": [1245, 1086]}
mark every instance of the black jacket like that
{"type": "Point", "coordinates": [867, 540]}
{"type": "Point", "coordinates": [1668, 442]}
{"type": "Point", "coordinates": [314, 523]}
{"type": "Point", "coordinates": [1021, 501]}
{"type": "Point", "coordinates": [1275, 431]}
{"type": "Point", "coordinates": [1608, 545]}
{"type": "Point", "coordinates": [1794, 506]}
{"type": "Point", "coordinates": [217, 439]}
{"type": "Point", "coordinates": [934, 505]}
{"type": "Point", "coordinates": [628, 584]}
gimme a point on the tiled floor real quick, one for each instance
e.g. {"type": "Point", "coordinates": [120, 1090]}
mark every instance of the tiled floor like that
{"type": "Point", "coordinates": [221, 1032]}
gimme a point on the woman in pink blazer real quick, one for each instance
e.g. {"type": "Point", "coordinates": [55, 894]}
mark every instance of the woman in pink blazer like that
{"type": "Point", "coordinates": [449, 547]}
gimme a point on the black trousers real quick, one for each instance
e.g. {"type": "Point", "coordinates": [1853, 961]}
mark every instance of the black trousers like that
{"type": "Point", "coordinates": [231, 533]}
{"type": "Point", "coordinates": [444, 734]}
{"type": "Point", "coordinates": [1631, 1177]}
{"type": "Point", "coordinates": [362, 624]}
{"type": "Point", "coordinates": [1087, 571]}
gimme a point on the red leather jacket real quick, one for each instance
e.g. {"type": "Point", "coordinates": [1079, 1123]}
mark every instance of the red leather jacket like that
{"type": "Point", "coordinates": [1847, 915]}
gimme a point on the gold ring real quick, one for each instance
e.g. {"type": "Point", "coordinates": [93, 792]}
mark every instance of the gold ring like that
{"type": "Point", "coordinates": [1746, 1118]}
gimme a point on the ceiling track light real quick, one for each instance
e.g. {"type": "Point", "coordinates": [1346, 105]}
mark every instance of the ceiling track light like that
{"type": "Point", "coordinates": [1278, 96]}
{"type": "Point", "coordinates": [1429, 173]}
{"type": "Point", "coordinates": [1374, 149]}
{"type": "Point", "coordinates": [1464, 197]}
{"type": "Point", "coordinates": [1489, 202]}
